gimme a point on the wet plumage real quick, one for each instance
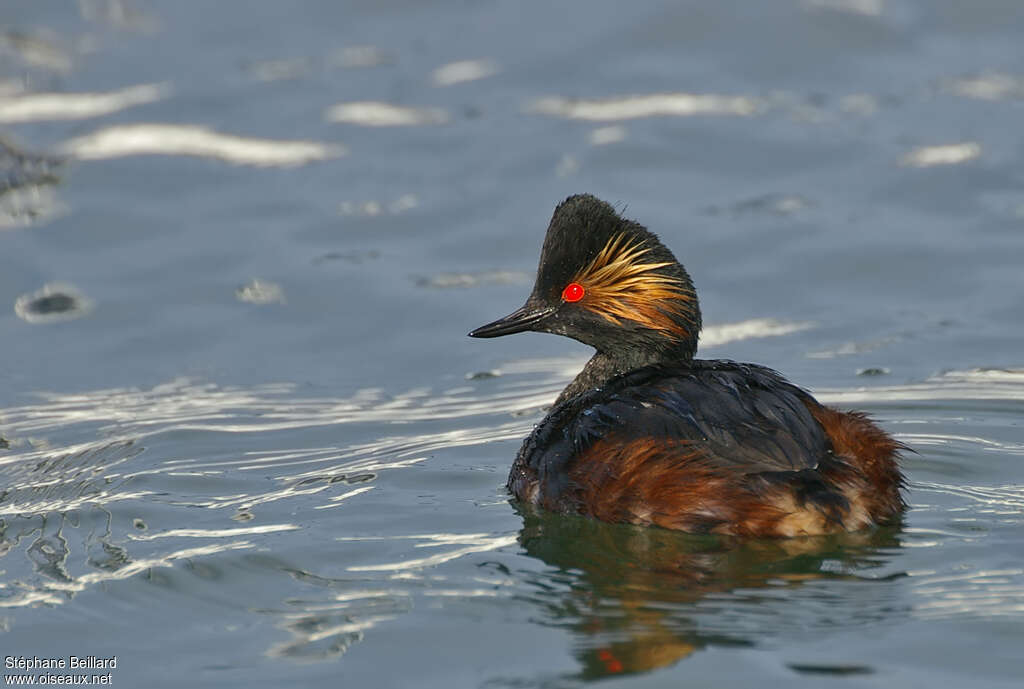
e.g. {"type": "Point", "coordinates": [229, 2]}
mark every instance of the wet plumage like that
{"type": "Point", "coordinates": [647, 434]}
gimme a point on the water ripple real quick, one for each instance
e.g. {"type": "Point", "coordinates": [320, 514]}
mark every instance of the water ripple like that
{"type": "Point", "coordinates": [48, 479]}
{"type": "Point", "coordinates": [983, 594]}
{"type": "Point", "coordinates": [468, 544]}
{"type": "Point", "coordinates": [52, 303]}
{"type": "Point", "coordinates": [45, 480]}
{"type": "Point", "coordinates": [184, 404]}
{"type": "Point", "coordinates": [976, 384]}
{"type": "Point", "coordinates": [1005, 499]}
{"type": "Point", "coordinates": [16, 594]}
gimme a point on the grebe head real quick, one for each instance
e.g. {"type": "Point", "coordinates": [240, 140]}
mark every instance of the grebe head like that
{"type": "Point", "coordinates": [609, 283]}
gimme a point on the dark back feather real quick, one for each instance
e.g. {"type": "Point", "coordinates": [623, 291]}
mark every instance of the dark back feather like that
{"type": "Point", "coordinates": [744, 419]}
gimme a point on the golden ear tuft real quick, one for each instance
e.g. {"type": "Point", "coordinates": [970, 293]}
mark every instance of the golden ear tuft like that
{"type": "Point", "coordinates": [620, 284]}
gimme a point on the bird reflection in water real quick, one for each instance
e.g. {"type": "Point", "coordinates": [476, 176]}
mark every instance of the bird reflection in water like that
{"type": "Point", "coordinates": [630, 594]}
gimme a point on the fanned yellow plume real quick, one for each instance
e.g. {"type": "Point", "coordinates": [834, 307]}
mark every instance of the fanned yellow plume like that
{"type": "Point", "coordinates": [620, 285]}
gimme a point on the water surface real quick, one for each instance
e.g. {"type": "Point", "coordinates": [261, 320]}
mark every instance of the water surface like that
{"type": "Point", "coordinates": [245, 440]}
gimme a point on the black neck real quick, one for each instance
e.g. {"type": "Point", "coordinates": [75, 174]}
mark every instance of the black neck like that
{"type": "Point", "coordinates": [603, 367]}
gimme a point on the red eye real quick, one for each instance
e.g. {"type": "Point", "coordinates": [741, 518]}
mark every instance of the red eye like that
{"type": "Point", "coordinates": [573, 292]}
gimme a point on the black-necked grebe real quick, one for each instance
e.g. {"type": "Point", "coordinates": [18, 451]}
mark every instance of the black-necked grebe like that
{"type": "Point", "coordinates": [647, 434]}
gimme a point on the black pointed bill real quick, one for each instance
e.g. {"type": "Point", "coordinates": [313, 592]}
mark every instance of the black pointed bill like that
{"type": "Point", "coordinates": [518, 321]}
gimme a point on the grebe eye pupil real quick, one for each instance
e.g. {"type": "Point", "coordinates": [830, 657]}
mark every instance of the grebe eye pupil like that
{"type": "Point", "coordinates": [573, 292]}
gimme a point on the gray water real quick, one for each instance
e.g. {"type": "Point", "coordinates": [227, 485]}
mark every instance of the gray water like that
{"type": "Point", "coordinates": [247, 443]}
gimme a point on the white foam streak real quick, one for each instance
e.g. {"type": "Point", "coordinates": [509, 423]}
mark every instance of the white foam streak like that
{"type": "Point", "coordinates": [215, 533]}
{"type": "Point", "coordinates": [602, 136]}
{"type": "Point", "coordinates": [464, 593]}
{"type": "Point", "coordinates": [992, 86]}
{"type": "Point", "coordinates": [867, 8]}
{"type": "Point", "coordinates": [948, 154]}
{"type": "Point", "coordinates": [463, 71]}
{"type": "Point", "coordinates": [653, 105]}
{"type": "Point", "coordinates": [378, 114]}
{"type": "Point", "coordinates": [717, 335]}
{"type": "Point", "coordinates": [193, 140]}
{"type": "Point", "coordinates": [34, 107]}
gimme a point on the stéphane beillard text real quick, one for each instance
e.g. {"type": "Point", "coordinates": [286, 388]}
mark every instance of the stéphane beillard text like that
{"type": "Point", "coordinates": [71, 662]}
